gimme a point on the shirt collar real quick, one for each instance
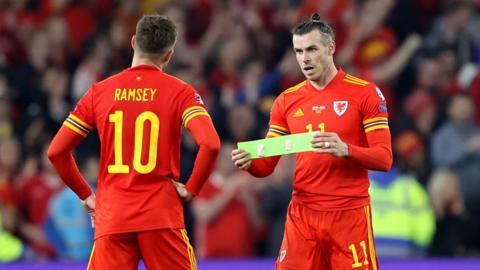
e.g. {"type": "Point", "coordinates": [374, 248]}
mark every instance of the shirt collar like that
{"type": "Point", "coordinates": [335, 81]}
{"type": "Point", "coordinates": [144, 67]}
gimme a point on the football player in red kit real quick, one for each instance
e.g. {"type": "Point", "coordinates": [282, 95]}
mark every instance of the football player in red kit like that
{"type": "Point", "coordinates": [328, 222]}
{"type": "Point", "coordinates": [138, 113]}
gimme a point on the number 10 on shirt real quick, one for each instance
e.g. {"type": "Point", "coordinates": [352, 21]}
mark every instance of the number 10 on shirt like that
{"type": "Point", "coordinates": [118, 167]}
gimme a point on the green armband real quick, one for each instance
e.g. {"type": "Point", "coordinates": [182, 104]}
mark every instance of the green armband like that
{"type": "Point", "coordinates": [283, 145]}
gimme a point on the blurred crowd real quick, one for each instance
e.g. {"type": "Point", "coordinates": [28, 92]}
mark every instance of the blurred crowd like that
{"type": "Point", "coordinates": [423, 54]}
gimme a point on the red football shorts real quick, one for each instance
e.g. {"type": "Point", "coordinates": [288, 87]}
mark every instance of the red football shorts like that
{"type": "Point", "coordinates": [327, 240]}
{"type": "Point", "coordinates": [162, 249]}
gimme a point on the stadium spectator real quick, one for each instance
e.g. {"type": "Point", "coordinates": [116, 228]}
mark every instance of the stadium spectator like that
{"type": "Point", "coordinates": [34, 190]}
{"type": "Point", "coordinates": [455, 28]}
{"type": "Point", "coordinates": [398, 196]}
{"type": "Point", "coordinates": [228, 203]}
{"type": "Point", "coordinates": [411, 156]}
{"type": "Point", "coordinates": [275, 199]}
{"type": "Point", "coordinates": [445, 193]}
{"type": "Point", "coordinates": [12, 247]}
{"type": "Point", "coordinates": [456, 146]}
{"type": "Point", "coordinates": [6, 123]}
{"type": "Point", "coordinates": [401, 194]}
{"type": "Point", "coordinates": [68, 227]}
{"type": "Point", "coordinates": [422, 110]}
{"type": "Point", "coordinates": [93, 67]}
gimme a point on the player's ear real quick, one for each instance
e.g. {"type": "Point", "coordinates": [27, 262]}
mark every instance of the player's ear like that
{"type": "Point", "coordinates": [331, 48]}
{"type": "Point", "coordinates": [132, 42]}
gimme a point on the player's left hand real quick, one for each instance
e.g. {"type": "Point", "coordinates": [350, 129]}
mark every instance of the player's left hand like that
{"type": "Point", "coordinates": [182, 191]}
{"type": "Point", "coordinates": [329, 143]}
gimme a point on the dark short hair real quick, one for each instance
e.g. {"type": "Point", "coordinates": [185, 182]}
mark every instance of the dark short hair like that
{"type": "Point", "coordinates": [155, 34]}
{"type": "Point", "coordinates": [315, 23]}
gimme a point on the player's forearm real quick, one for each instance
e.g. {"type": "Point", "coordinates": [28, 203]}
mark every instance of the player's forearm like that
{"type": "Point", "coordinates": [378, 158]}
{"type": "Point", "coordinates": [68, 171]}
{"type": "Point", "coordinates": [207, 210]}
{"type": "Point", "coordinates": [204, 165]}
{"type": "Point", "coordinates": [394, 65]}
{"type": "Point", "coordinates": [263, 167]}
{"type": "Point", "coordinates": [252, 210]}
{"type": "Point", "coordinates": [378, 155]}
{"type": "Point", "coordinates": [209, 146]}
{"type": "Point", "coordinates": [60, 155]}
{"type": "Point", "coordinates": [372, 15]}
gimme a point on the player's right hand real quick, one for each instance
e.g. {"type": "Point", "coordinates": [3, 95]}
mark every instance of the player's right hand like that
{"type": "Point", "coordinates": [89, 205]}
{"type": "Point", "coordinates": [241, 159]}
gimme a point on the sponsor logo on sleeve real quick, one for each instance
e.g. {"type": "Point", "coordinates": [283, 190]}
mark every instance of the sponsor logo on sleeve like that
{"type": "Point", "coordinates": [382, 107]}
{"type": "Point", "coordinates": [283, 254]}
{"type": "Point", "coordinates": [199, 99]}
{"type": "Point", "coordinates": [379, 93]}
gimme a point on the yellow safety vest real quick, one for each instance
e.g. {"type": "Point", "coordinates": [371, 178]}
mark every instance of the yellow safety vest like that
{"type": "Point", "coordinates": [11, 247]}
{"type": "Point", "coordinates": [402, 211]}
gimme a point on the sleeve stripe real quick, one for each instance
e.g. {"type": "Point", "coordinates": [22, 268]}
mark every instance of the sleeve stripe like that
{"type": "Point", "coordinates": [75, 129]}
{"type": "Point", "coordinates": [273, 134]}
{"type": "Point", "coordinates": [277, 131]}
{"type": "Point", "coordinates": [375, 123]}
{"type": "Point", "coordinates": [185, 123]}
{"type": "Point", "coordinates": [192, 112]}
{"type": "Point", "coordinates": [374, 119]}
{"type": "Point", "coordinates": [295, 88]}
{"type": "Point", "coordinates": [279, 128]}
{"type": "Point", "coordinates": [354, 82]}
{"type": "Point", "coordinates": [376, 127]}
{"type": "Point", "coordinates": [353, 78]}
{"type": "Point", "coordinates": [71, 121]}
{"type": "Point", "coordinates": [80, 121]}
{"type": "Point", "coordinates": [189, 109]}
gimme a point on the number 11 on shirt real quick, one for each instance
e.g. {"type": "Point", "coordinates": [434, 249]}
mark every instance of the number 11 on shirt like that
{"type": "Point", "coordinates": [118, 167]}
{"type": "Point", "coordinates": [321, 127]}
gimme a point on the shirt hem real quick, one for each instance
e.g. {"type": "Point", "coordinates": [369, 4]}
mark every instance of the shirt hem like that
{"type": "Point", "coordinates": [131, 230]}
{"type": "Point", "coordinates": [316, 208]}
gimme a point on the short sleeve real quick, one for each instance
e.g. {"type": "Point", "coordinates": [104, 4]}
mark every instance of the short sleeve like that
{"type": "Point", "coordinates": [81, 120]}
{"type": "Point", "coordinates": [191, 105]}
{"type": "Point", "coordinates": [278, 124]}
{"type": "Point", "coordinates": [374, 110]}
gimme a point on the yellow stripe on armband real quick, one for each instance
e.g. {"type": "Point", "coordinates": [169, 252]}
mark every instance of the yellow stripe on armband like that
{"type": "Point", "coordinates": [376, 127]}
{"type": "Point", "coordinates": [80, 121]}
{"type": "Point", "coordinates": [195, 115]}
{"type": "Point", "coordinates": [75, 129]}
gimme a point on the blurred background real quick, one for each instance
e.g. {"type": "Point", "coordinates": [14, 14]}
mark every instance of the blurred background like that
{"type": "Point", "coordinates": [423, 54]}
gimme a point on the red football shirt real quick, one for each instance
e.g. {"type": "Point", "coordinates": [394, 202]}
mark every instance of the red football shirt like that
{"type": "Point", "coordinates": [34, 194]}
{"type": "Point", "coordinates": [138, 114]}
{"type": "Point", "coordinates": [349, 106]}
{"type": "Point", "coordinates": [232, 223]}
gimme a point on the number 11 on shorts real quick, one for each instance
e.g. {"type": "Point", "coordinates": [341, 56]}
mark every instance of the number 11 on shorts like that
{"type": "Point", "coordinates": [356, 262]}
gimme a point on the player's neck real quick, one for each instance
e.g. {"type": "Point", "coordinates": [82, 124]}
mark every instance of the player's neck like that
{"type": "Point", "coordinates": [325, 78]}
{"type": "Point", "coordinates": [137, 61]}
